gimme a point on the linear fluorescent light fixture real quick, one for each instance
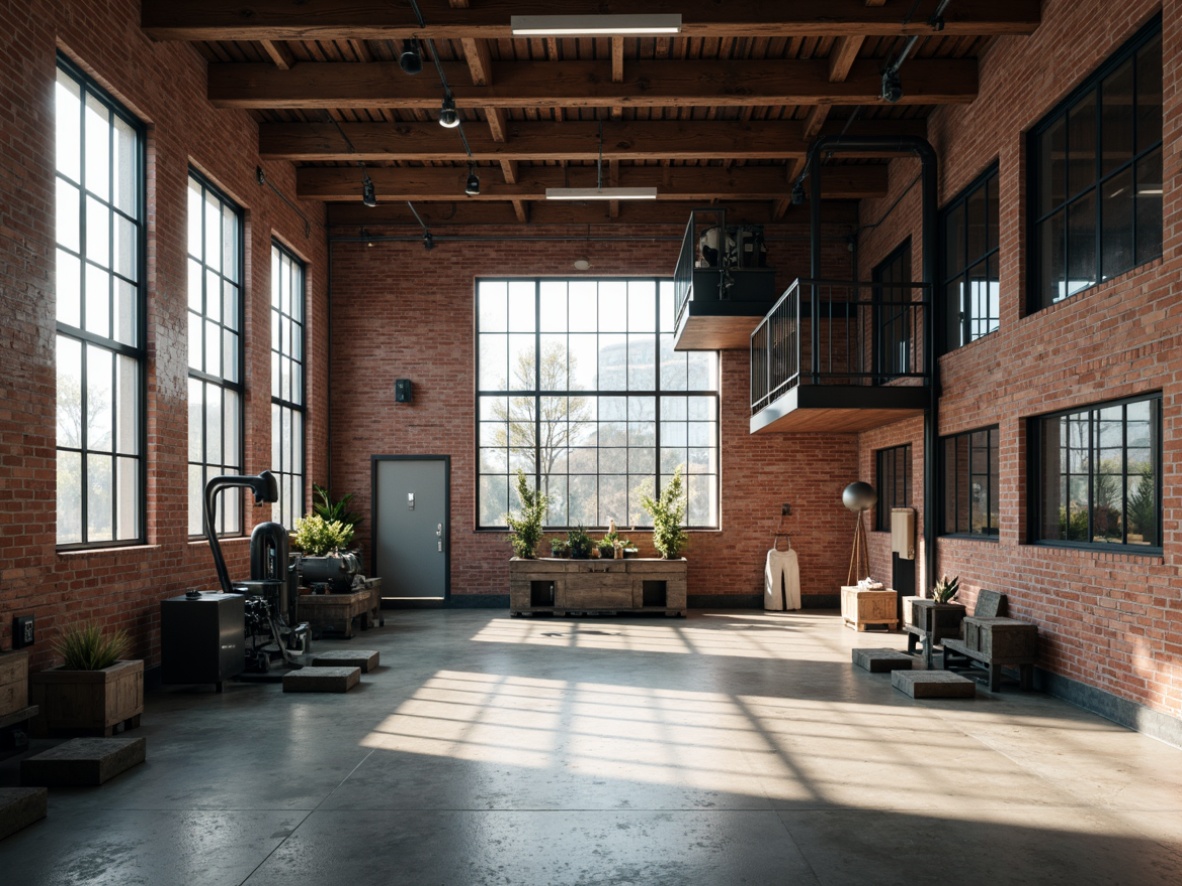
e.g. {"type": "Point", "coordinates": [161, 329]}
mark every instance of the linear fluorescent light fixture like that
{"type": "Point", "coordinates": [594, 25]}
{"type": "Point", "coordinates": [601, 193]}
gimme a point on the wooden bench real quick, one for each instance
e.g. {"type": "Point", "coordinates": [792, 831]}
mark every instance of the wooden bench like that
{"type": "Point", "coordinates": [993, 641]}
{"type": "Point", "coordinates": [929, 622]}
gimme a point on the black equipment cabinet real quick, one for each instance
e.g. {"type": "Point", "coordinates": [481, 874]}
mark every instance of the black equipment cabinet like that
{"type": "Point", "coordinates": [202, 639]}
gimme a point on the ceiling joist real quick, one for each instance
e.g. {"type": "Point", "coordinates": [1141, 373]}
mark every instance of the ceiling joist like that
{"type": "Point", "coordinates": [684, 183]}
{"type": "Point", "coordinates": [532, 85]}
{"type": "Point", "coordinates": [489, 20]}
{"type": "Point", "coordinates": [555, 142]}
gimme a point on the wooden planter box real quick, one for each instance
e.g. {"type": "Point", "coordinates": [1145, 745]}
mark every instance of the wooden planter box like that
{"type": "Point", "coordinates": [860, 608]}
{"type": "Point", "coordinates": [88, 701]}
{"type": "Point", "coordinates": [938, 620]}
{"type": "Point", "coordinates": [14, 682]}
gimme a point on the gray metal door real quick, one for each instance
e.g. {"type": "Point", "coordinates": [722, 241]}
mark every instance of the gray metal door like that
{"type": "Point", "coordinates": [410, 525]}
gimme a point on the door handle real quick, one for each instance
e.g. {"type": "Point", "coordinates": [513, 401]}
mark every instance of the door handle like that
{"type": "Point", "coordinates": [439, 530]}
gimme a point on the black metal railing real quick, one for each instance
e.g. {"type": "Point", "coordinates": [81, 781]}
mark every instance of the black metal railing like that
{"type": "Point", "coordinates": [683, 274]}
{"type": "Point", "coordinates": [823, 332]}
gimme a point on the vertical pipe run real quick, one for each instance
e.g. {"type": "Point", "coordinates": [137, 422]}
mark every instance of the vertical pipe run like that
{"type": "Point", "coordinates": [935, 316]}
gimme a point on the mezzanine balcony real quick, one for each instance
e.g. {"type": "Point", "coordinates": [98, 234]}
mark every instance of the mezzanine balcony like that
{"type": "Point", "coordinates": [841, 357]}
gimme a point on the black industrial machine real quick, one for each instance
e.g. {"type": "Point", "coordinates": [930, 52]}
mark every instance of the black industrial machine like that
{"type": "Point", "coordinates": [199, 638]}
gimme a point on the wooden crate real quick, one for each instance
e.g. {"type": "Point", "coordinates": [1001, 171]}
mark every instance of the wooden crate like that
{"type": "Point", "coordinates": [335, 612]}
{"type": "Point", "coordinates": [1001, 639]}
{"type": "Point", "coordinates": [861, 608]}
{"type": "Point", "coordinates": [14, 682]}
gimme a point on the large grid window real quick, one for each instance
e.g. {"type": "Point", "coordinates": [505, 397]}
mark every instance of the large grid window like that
{"type": "Point", "coordinates": [893, 468]}
{"type": "Point", "coordinates": [969, 467]}
{"type": "Point", "coordinates": [1096, 171]}
{"type": "Point", "coordinates": [1097, 475]}
{"type": "Point", "coordinates": [287, 384]}
{"type": "Point", "coordinates": [215, 349]}
{"type": "Point", "coordinates": [969, 262]}
{"type": "Point", "coordinates": [99, 209]}
{"type": "Point", "coordinates": [579, 386]}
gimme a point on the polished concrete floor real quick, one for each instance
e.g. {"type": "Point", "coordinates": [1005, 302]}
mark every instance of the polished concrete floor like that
{"type": "Point", "coordinates": [726, 748]}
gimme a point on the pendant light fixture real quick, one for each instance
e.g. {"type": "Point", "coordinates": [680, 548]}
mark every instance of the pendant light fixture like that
{"type": "Point", "coordinates": [599, 192]}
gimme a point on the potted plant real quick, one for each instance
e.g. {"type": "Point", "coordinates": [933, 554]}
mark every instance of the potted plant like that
{"type": "Point", "coordinates": [94, 690]}
{"type": "Point", "coordinates": [580, 543]}
{"type": "Point", "coordinates": [325, 558]}
{"type": "Point", "coordinates": [526, 531]}
{"type": "Point", "coordinates": [668, 513]}
{"type": "Point", "coordinates": [938, 617]}
{"type": "Point", "coordinates": [559, 547]}
{"type": "Point", "coordinates": [338, 511]}
{"type": "Point", "coordinates": [607, 549]}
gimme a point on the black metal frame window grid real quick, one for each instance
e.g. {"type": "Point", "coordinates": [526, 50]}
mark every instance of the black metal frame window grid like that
{"type": "Point", "coordinates": [1096, 175]}
{"type": "Point", "coordinates": [101, 324]}
{"type": "Point", "coordinates": [287, 383]}
{"type": "Point", "coordinates": [1096, 476]}
{"type": "Point", "coordinates": [893, 472]}
{"type": "Point", "coordinates": [969, 468]}
{"type": "Point", "coordinates": [216, 311]}
{"type": "Point", "coordinates": [969, 261]}
{"type": "Point", "coordinates": [892, 331]}
{"type": "Point", "coordinates": [579, 386]}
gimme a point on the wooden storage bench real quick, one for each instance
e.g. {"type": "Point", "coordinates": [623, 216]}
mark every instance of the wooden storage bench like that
{"type": "Point", "coordinates": [996, 643]}
{"type": "Point", "coordinates": [565, 587]}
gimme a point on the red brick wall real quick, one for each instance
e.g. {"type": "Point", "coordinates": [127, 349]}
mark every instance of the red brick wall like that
{"type": "Point", "coordinates": [399, 312]}
{"type": "Point", "coordinates": [164, 84]}
{"type": "Point", "coordinates": [1110, 620]}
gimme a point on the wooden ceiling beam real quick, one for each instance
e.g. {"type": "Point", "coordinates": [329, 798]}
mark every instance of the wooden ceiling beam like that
{"type": "Point", "coordinates": [282, 56]}
{"type": "Point", "coordinates": [570, 141]}
{"type": "Point", "coordinates": [672, 214]}
{"type": "Point", "coordinates": [197, 20]}
{"type": "Point", "coordinates": [580, 84]}
{"type": "Point", "coordinates": [672, 183]}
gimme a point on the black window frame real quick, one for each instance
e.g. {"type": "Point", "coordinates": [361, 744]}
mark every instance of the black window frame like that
{"type": "Point", "coordinates": [89, 87]}
{"type": "Point", "coordinates": [291, 502]}
{"type": "Point", "coordinates": [1090, 89]}
{"type": "Point", "coordinates": [661, 329]}
{"type": "Point", "coordinates": [952, 477]}
{"type": "Point", "coordinates": [210, 468]}
{"type": "Point", "coordinates": [961, 317]}
{"type": "Point", "coordinates": [893, 315]}
{"type": "Point", "coordinates": [1035, 438]}
{"type": "Point", "coordinates": [890, 485]}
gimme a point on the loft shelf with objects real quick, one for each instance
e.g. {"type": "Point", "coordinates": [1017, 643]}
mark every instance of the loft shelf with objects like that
{"type": "Point", "coordinates": [839, 356]}
{"type": "Point", "coordinates": [722, 285]}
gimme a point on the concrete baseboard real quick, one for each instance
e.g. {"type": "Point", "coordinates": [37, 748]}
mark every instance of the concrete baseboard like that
{"type": "Point", "coordinates": [1119, 710]}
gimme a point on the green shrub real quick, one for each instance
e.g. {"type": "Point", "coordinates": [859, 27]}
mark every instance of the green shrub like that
{"type": "Point", "coordinates": [88, 647]}
{"type": "Point", "coordinates": [318, 537]}
{"type": "Point", "coordinates": [668, 513]}
{"type": "Point", "coordinates": [526, 531]}
{"type": "Point", "coordinates": [330, 510]}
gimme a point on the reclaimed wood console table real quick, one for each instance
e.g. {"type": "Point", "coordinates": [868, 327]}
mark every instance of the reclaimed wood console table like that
{"type": "Point", "coordinates": [565, 587]}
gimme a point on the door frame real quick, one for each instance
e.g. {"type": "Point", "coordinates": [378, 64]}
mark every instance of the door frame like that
{"type": "Point", "coordinates": [374, 461]}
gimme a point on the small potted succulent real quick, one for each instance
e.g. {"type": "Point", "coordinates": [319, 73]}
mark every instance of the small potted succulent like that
{"type": "Point", "coordinates": [938, 615]}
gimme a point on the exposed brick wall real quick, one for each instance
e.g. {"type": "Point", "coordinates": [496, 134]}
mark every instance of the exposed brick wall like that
{"type": "Point", "coordinates": [1110, 620]}
{"type": "Point", "coordinates": [401, 313]}
{"type": "Point", "coordinates": [164, 84]}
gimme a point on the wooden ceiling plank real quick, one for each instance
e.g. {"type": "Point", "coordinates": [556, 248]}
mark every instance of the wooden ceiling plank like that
{"type": "Point", "coordinates": [196, 20]}
{"type": "Point", "coordinates": [699, 183]}
{"type": "Point", "coordinates": [815, 121]}
{"type": "Point", "coordinates": [580, 84]}
{"type": "Point", "coordinates": [548, 141]}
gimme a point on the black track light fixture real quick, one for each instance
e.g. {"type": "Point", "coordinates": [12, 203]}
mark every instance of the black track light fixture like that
{"type": "Point", "coordinates": [411, 60]}
{"type": "Point", "coordinates": [368, 194]}
{"type": "Point", "coordinates": [448, 117]}
{"type": "Point", "coordinates": [428, 241]}
{"type": "Point", "coordinates": [892, 86]}
{"type": "Point", "coordinates": [472, 188]}
{"type": "Point", "coordinates": [797, 194]}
